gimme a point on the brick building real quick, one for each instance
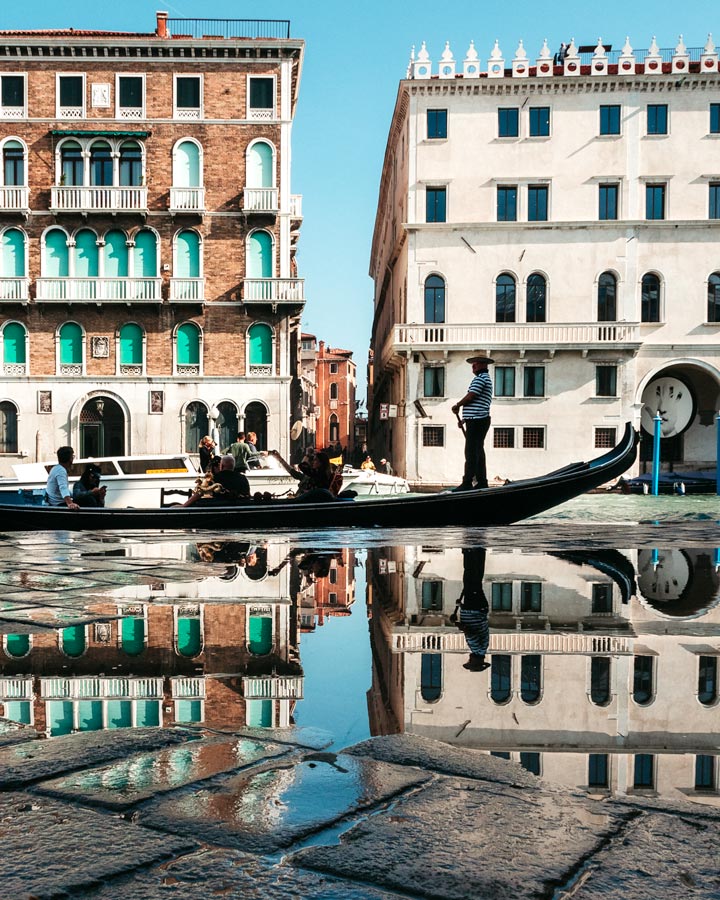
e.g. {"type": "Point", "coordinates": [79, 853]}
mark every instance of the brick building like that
{"type": "Point", "coordinates": [148, 287]}
{"type": "Point", "coordinates": [335, 377]}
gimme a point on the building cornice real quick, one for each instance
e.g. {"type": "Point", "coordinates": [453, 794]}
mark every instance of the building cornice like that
{"type": "Point", "coordinates": [549, 86]}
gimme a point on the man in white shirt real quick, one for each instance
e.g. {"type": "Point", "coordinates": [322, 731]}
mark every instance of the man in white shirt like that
{"type": "Point", "coordinates": [57, 488]}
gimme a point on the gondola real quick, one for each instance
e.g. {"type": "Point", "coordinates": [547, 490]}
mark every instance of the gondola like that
{"type": "Point", "coordinates": [489, 506]}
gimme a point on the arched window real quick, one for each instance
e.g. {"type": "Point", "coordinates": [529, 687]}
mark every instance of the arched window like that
{"type": "Point", "coordinates": [8, 427]}
{"type": "Point", "coordinates": [260, 341]}
{"type": "Point", "coordinates": [600, 680]}
{"type": "Point", "coordinates": [196, 425]}
{"type": "Point", "coordinates": [334, 434]}
{"type": "Point", "coordinates": [431, 676]}
{"type": "Point", "coordinates": [56, 259]}
{"type": "Point", "coordinates": [189, 634]}
{"type": "Point", "coordinates": [17, 645]}
{"type": "Point", "coordinates": [260, 165]}
{"type": "Point", "coordinates": [12, 254]}
{"type": "Point", "coordinates": [333, 390]}
{"type": "Point", "coordinates": [256, 420]}
{"type": "Point", "coordinates": [115, 255]}
{"type": "Point", "coordinates": [187, 255]}
{"type": "Point", "coordinates": [643, 679]}
{"type": "Point", "coordinates": [72, 640]}
{"type": "Point", "coordinates": [227, 423]}
{"type": "Point", "coordinates": [260, 635]}
{"type": "Point", "coordinates": [131, 173]}
{"type": "Point", "coordinates": [101, 164]}
{"type": "Point", "coordinates": [505, 292]}
{"type": "Point", "coordinates": [434, 299]}
{"type": "Point", "coordinates": [187, 170]}
{"type": "Point", "coordinates": [530, 686]}
{"type": "Point", "coordinates": [536, 298]}
{"type": "Point", "coordinates": [14, 341]}
{"type": "Point", "coordinates": [607, 298]}
{"type": "Point", "coordinates": [713, 313]}
{"type": "Point", "coordinates": [650, 298]}
{"type": "Point", "coordinates": [85, 254]}
{"type": "Point", "coordinates": [259, 255]}
{"type": "Point", "coordinates": [131, 345]}
{"type": "Point", "coordinates": [145, 254]}
{"type": "Point", "coordinates": [71, 164]}
{"type": "Point", "coordinates": [707, 680]}
{"type": "Point", "coordinates": [500, 684]}
{"type": "Point", "coordinates": [132, 635]}
{"type": "Point", "coordinates": [71, 344]}
{"type": "Point", "coordinates": [13, 164]}
{"type": "Point", "coordinates": [188, 349]}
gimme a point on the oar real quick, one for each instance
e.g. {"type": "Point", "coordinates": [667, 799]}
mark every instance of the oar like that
{"type": "Point", "coordinates": [461, 424]}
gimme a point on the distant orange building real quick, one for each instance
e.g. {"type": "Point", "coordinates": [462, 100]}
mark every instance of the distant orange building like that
{"type": "Point", "coordinates": [335, 379]}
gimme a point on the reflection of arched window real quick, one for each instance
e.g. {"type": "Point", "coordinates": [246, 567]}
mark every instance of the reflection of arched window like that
{"type": "Point", "coordinates": [132, 635]}
{"type": "Point", "coordinates": [115, 255]}
{"type": "Point", "coordinates": [259, 255]}
{"type": "Point", "coordinates": [505, 292]}
{"type": "Point", "coordinates": [536, 298]}
{"type": "Point", "coordinates": [333, 390]}
{"type": "Point", "coordinates": [189, 636]}
{"type": "Point", "coordinates": [500, 687]}
{"type": "Point", "coordinates": [12, 253]}
{"type": "Point", "coordinates": [707, 680]}
{"type": "Point", "coordinates": [260, 344]}
{"type": "Point", "coordinates": [71, 163]}
{"type": "Point", "coordinates": [130, 164]}
{"type": "Point", "coordinates": [713, 314]}
{"type": "Point", "coordinates": [600, 680]}
{"type": "Point", "coordinates": [85, 254]}
{"type": "Point", "coordinates": [256, 420]}
{"type": "Point", "coordinates": [72, 640]}
{"type": "Point", "coordinates": [260, 165]}
{"type": "Point", "coordinates": [643, 679]}
{"type": "Point", "coordinates": [334, 429]}
{"type": "Point", "coordinates": [650, 298]}
{"type": "Point", "coordinates": [71, 349]}
{"type": "Point", "coordinates": [187, 170]}
{"type": "Point", "coordinates": [530, 678]}
{"type": "Point", "coordinates": [8, 427]}
{"type": "Point", "coordinates": [227, 424]}
{"type": "Point", "coordinates": [17, 645]}
{"type": "Point", "coordinates": [607, 298]}
{"type": "Point", "coordinates": [260, 635]}
{"type": "Point", "coordinates": [196, 425]}
{"type": "Point", "coordinates": [187, 255]}
{"type": "Point", "coordinates": [56, 258]}
{"type": "Point", "coordinates": [431, 677]}
{"type": "Point", "coordinates": [188, 345]}
{"type": "Point", "coordinates": [131, 345]}
{"type": "Point", "coordinates": [14, 342]}
{"type": "Point", "coordinates": [13, 164]}
{"type": "Point", "coordinates": [259, 713]}
{"type": "Point", "coordinates": [434, 299]}
{"type": "Point", "coordinates": [101, 166]}
{"type": "Point", "coordinates": [145, 255]}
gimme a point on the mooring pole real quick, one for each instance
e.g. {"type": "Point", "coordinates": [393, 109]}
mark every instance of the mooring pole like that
{"type": "Point", "coordinates": [657, 421]}
{"type": "Point", "coordinates": [717, 454]}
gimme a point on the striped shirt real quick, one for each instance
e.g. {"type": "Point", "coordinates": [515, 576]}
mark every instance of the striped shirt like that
{"type": "Point", "coordinates": [476, 630]}
{"type": "Point", "coordinates": [481, 387]}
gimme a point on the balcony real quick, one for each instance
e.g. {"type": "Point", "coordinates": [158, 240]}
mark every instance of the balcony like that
{"type": "Point", "coordinates": [184, 687]}
{"type": "Point", "coordinates": [18, 687]}
{"type": "Point", "coordinates": [514, 336]}
{"type": "Point", "coordinates": [187, 200]}
{"type": "Point", "coordinates": [445, 640]}
{"type": "Point", "coordinates": [99, 687]}
{"type": "Point", "coordinates": [14, 290]}
{"type": "Point", "coordinates": [296, 206]}
{"type": "Point", "coordinates": [260, 200]}
{"type": "Point", "coordinates": [99, 290]}
{"type": "Point", "coordinates": [187, 290]}
{"type": "Point", "coordinates": [98, 199]}
{"type": "Point", "coordinates": [274, 290]}
{"type": "Point", "coordinates": [273, 687]}
{"type": "Point", "coordinates": [14, 199]}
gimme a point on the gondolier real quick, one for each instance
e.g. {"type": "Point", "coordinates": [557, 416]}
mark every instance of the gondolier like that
{"type": "Point", "coordinates": [475, 423]}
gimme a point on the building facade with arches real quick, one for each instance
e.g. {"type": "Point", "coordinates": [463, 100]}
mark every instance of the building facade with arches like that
{"type": "Point", "coordinates": [148, 288]}
{"type": "Point", "coordinates": [561, 217]}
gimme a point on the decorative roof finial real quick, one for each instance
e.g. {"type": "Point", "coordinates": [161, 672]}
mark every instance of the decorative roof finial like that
{"type": "Point", "coordinates": [572, 49]}
{"type": "Point", "coordinates": [423, 55]}
{"type": "Point", "coordinates": [496, 51]}
{"type": "Point", "coordinates": [520, 52]}
{"type": "Point", "coordinates": [472, 54]}
{"type": "Point", "coordinates": [653, 50]}
{"type": "Point", "coordinates": [709, 46]}
{"type": "Point", "coordinates": [545, 51]}
{"type": "Point", "coordinates": [627, 49]}
{"type": "Point", "coordinates": [600, 50]}
{"type": "Point", "coordinates": [681, 49]}
{"type": "Point", "coordinates": [447, 53]}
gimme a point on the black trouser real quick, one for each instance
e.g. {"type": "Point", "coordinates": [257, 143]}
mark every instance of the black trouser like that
{"type": "Point", "coordinates": [475, 467]}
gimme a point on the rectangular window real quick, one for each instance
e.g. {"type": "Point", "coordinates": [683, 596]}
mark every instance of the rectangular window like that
{"type": "Point", "coordinates": [188, 96]}
{"type": "Point", "coordinates": [433, 436]}
{"type": "Point", "coordinates": [608, 202]}
{"type": "Point", "coordinates": [504, 381]}
{"type": "Point", "coordinates": [597, 770]}
{"type": "Point", "coordinates": [539, 121]}
{"type": "Point", "coordinates": [609, 120]}
{"type": "Point", "coordinates": [436, 124]}
{"type": "Point", "coordinates": [704, 773]}
{"type": "Point", "coordinates": [503, 438]}
{"type": "Point", "coordinates": [605, 438]}
{"type": "Point", "coordinates": [654, 201]}
{"type": "Point", "coordinates": [71, 96]}
{"type": "Point", "coordinates": [432, 595]}
{"type": "Point", "coordinates": [714, 212]}
{"type": "Point", "coordinates": [508, 122]}
{"type": "Point", "coordinates": [644, 774]}
{"type": "Point", "coordinates": [530, 761]}
{"type": "Point", "coordinates": [715, 118]}
{"type": "Point", "coordinates": [507, 203]}
{"type": "Point", "coordinates": [531, 596]}
{"type": "Point", "coordinates": [502, 596]}
{"type": "Point", "coordinates": [435, 204]}
{"type": "Point", "coordinates": [537, 203]}
{"type": "Point", "coordinates": [534, 381]}
{"type": "Point", "coordinates": [262, 96]}
{"type": "Point", "coordinates": [606, 381]}
{"type": "Point", "coordinates": [333, 368]}
{"type": "Point", "coordinates": [601, 599]}
{"type": "Point", "coordinates": [130, 95]}
{"type": "Point", "coordinates": [434, 381]}
{"type": "Point", "coordinates": [533, 438]}
{"type": "Point", "coordinates": [657, 118]}
{"type": "Point", "coordinates": [12, 95]}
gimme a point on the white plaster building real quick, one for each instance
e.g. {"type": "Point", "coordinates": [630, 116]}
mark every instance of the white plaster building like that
{"type": "Point", "coordinates": [563, 217]}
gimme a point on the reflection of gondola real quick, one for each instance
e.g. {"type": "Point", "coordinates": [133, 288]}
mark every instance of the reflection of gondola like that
{"type": "Point", "coordinates": [490, 506]}
{"type": "Point", "coordinates": [609, 562]}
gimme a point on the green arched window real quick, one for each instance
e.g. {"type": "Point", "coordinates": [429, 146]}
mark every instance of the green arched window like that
{"type": "Point", "coordinates": [132, 631]}
{"type": "Point", "coordinates": [189, 640]}
{"type": "Point", "coordinates": [260, 635]}
{"type": "Point", "coordinates": [115, 255]}
{"type": "Point", "coordinates": [17, 645]}
{"type": "Point", "coordinates": [70, 344]}
{"type": "Point", "coordinates": [187, 255]}
{"type": "Point", "coordinates": [72, 640]}
{"type": "Point", "coordinates": [14, 343]}
{"type": "Point", "coordinates": [145, 263]}
{"type": "Point", "coordinates": [260, 165]}
{"type": "Point", "coordinates": [86, 254]}
{"type": "Point", "coordinates": [259, 255]}
{"type": "Point", "coordinates": [260, 340]}
{"type": "Point", "coordinates": [12, 254]}
{"type": "Point", "coordinates": [188, 345]}
{"type": "Point", "coordinates": [187, 165]}
{"type": "Point", "coordinates": [56, 263]}
{"type": "Point", "coordinates": [131, 345]}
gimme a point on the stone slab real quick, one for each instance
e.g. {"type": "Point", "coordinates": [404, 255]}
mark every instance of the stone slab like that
{"type": "Point", "coordinates": [39, 760]}
{"type": "Point", "coordinates": [129, 781]}
{"type": "Point", "coordinates": [51, 849]}
{"type": "Point", "coordinates": [262, 812]}
{"type": "Point", "coordinates": [458, 838]}
{"type": "Point", "coordinates": [15, 733]}
{"type": "Point", "coordinates": [231, 875]}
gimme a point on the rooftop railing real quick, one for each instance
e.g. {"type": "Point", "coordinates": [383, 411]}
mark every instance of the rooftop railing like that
{"type": "Point", "coordinates": [229, 28]}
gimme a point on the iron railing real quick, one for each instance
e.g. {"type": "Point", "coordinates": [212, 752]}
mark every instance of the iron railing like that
{"type": "Point", "coordinates": [229, 28]}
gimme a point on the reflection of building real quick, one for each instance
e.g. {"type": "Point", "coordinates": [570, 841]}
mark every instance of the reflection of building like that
{"type": "Point", "coordinates": [328, 592]}
{"type": "Point", "coordinates": [562, 219]}
{"type": "Point", "coordinates": [593, 682]}
{"type": "Point", "coordinates": [148, 232]}
{"type": "Point", "coordinates": [220, 648]}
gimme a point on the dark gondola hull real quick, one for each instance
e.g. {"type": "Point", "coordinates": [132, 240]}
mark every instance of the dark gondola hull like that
{"type": "Point", "coordinates": [491, 506]}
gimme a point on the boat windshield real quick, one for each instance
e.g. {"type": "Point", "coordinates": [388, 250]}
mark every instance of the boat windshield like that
{"type": "Point", "coordinates": [106, 466]}
{"type": "Point", "coordinates": [150, 466]}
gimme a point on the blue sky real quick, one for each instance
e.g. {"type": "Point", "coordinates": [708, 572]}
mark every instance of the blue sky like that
{"type": "Point", "coordinates": [355, 56]}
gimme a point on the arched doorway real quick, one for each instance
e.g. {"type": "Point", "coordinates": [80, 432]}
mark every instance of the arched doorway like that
{"type": "Point", "coordinates": [227, 424]}
{"type": "Point", "coordinates": [196, 425]}
{"type": "Point", "coordinates": [256, 420]}
{"type": "Point", "coordinates": [102, 428]}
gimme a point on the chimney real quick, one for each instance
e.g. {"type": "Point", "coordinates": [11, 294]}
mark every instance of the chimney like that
{"type": "Point", "coordinates": [161, 31]}
{"type": "Point", "coordinates": [321, 351]}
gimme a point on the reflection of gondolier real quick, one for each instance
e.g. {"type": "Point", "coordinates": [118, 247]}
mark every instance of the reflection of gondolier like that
{"type": "Point", "coordinates": [476, 422]}
{"type": "Point", "coordinates": [472, 610]}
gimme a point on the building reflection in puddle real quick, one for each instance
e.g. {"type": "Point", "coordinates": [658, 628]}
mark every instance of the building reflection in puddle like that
{"type": "Point", "coordinates": [603, 664]}
{"type": "Point", "coordinates": [215, 643]}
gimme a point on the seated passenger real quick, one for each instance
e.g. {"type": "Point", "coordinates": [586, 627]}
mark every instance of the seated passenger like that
{"type": "Point", "coordinates": [87, 490]}
{"type": "Point", "coordinates": [233, 480]}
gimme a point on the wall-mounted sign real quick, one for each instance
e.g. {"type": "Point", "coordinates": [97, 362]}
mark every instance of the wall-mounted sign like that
{"type": "Point", "coordinates": [673, 400]}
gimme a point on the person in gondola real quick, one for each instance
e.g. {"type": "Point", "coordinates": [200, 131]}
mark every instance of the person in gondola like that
{"type": "Point", "coordinates": [87, 490]}
{"type": "Point", "coordinates": [57, 489]}
{"type": "Point", "coordinates": [471, 615]}
{"type": "Point", "coordinates": [475, 423]}
{"type": "Point", "coordinates": [318, 479]}
{"type": "Point", "coordinates": [206, 449]}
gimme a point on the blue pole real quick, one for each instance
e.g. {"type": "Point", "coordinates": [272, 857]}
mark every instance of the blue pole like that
{"type": "Point", "coordinates": [716, 558]}
{"type": "Point", "coordinates": [655, 559]}
{"type": "Point", "coordinates": [717, 455]}
{"type": "Point", "coordinates": [656, 456]}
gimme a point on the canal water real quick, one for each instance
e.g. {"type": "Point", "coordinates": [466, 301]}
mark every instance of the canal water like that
{"type": "Point", "coordinates": [601, 618]}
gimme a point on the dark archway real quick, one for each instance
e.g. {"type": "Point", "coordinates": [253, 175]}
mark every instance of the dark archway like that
{"type": "Point", "coordinates": [256, 420]}
{"type": "Point", "coordinates": [102, 428]}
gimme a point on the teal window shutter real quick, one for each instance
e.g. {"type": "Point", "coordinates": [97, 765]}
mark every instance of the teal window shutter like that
{"type": "Point", "coordinates": [17, 645]}
{"type": "Point", "coordinates": [86, 254]}
{"type": "Point", "coordinates": [188, 345]}
{"type": "Point", "coordinates": [70, 344]}
{"type": "Point", "coordinates": [260, 345]}
{"type": "Point", "coordinates": [259, 255]}
{"type": "Point", "coordinates": [189, 642]}
{"type": "Point", "coordinates": [131, 346]}
{"type": "Point", "coordinates": [260, 166]}
{"type": "Point", "coordinates": [115, 255]}
{"type": "Point", "coordinates": [187, 165]}
{"type": "Point", "coordinates": [57, 257]}
{"type": "Point", "coordinates": [14, 343]}
{"type": "Point", "coordinates": [187, 262]}
{"type": "Point", "coordinates": [73, 640]}
{"type": "Point", "coordinates": [145, 262]}
{"type": "Point", "coordinates": [12, 261]}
